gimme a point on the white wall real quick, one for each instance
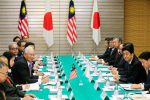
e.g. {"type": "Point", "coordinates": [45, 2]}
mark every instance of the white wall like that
{"type": "Point", "coordinates": [112, 23]}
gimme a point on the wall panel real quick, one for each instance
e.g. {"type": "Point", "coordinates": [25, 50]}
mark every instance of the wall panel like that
{"type": "Point", "coordinates": [112, 20]}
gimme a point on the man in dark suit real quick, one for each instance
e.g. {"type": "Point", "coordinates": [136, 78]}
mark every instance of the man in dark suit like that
{"type": "Point", "coordinates": [145, 60]}
{"type": "Point", "coordinates": [133, 70]}
{"type": "Point", "coordinates": [108, 49]}
{"type": "Point", "coordinates": [106, 54]}
{"type": "Point", "coordinates": [112, 58]}
{"type": "Point", "coordinates": [8, 89]}
{"type": "Point", "coordinates": [22, 69]}
{"type": "Point", "coordinates": [21, 46]}
{"type": "Point", "coordinates": [13, 52]}
{"type": "Point", "coordinates": [119, 62]}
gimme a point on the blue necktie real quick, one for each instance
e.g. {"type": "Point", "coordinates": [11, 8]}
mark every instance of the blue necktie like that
{"type": "Point", "coordinates": [30, 69]}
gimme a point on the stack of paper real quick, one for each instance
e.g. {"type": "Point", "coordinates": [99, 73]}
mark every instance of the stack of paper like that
{"type": "Point", "coordinates": [128, 87]}
{"type": "Point", "coordinates": [33, 86]}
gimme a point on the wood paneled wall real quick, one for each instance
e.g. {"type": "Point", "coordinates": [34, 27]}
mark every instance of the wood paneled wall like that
{"type": "Point", "coordinates": [112, 23]}
{"type": "Point", "coordinates": [137, 24]}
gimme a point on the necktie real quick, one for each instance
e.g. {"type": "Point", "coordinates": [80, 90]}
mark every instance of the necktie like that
{"type": "Point", "coordinates": [9, 81]}
{"type": "Point", "coordinates": [111, 51]}
{"type": "Point", "coordinates": [148, 76]}
{"type": "Point", "coordinates": [30, 69]}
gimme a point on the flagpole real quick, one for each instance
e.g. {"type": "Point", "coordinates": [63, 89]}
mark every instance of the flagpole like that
{"type": "Point", "coordinates": [48, 48]}
{"type": "Point", "coordinates": [59, 28]}
{"type": "Point", "coordinates": [72, 49]}
{"type": "Point", "coordinates": [94, 48]}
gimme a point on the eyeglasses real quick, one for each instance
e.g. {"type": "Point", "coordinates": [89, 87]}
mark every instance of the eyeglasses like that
{"type": "Point", "coordinates": [6, 74]}
{"type": "Point", "coordinates": [14, 48]}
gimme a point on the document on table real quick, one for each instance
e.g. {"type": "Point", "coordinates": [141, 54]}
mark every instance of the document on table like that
{"type": "Point", "coordinates": [105, 69]}
{"type": "Point", "coordinates": [50, 83]}
{"type": "Point", "coordinates": [128, 87]}
{"type": "Point", "coordinates": [47, 73]}
{"type": "Point", "coordinates": [54, 97]}
{"type": "Point", "coordinates": [33, 86]}
{"type": "Point", "coordinates": [140, 96]}
{"type": "Point", "coordinates": [106, 74]}
{"type": "Point", "coordinates": [119, 97]}
{"type": "Point", "coordinates": [110, 88]}
{"type": "Point", "coordinates": [110, 78]}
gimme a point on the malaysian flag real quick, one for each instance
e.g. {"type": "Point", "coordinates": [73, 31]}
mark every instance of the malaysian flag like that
{"type": "Point", "coordinates": [71, 31]}
{"type": "Point", "coordinates": [23, 22]}
{"type": "Point", "coordinates": [73, 73]}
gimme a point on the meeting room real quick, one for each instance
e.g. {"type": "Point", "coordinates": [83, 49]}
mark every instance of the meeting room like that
{"type": "Point", "coordinates": [74, 49]}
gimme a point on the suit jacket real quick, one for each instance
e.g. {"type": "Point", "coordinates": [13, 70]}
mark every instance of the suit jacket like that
{"type": "Point", "coordinates": [20, 54]}
{"type": "Point", "coordinates": [120, 65]}
{"type": "Point", "coordinates": [147, 83]}
{"type": "Point", "coordinates": [134, 72]}
{"type": "Point", "coordinates": [11, 92]}
{"type": "Point", "coordinates": [8, 55]}
{"type": "Point", "coordinates": [21, 73]}
{"type": "Point", "coordinates": [2, 95]}
{"type": "Point", "coordinates": [105, 55]}
{"type": "Point", "coordinates": [111, 58]}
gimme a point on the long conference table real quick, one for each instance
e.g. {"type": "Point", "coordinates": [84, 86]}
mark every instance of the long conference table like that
{"type": "Point", "coordinates": [81, 87]}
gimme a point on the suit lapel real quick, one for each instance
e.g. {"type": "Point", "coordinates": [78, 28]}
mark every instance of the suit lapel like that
{"type": "Point", "coordinates": [27, 66]}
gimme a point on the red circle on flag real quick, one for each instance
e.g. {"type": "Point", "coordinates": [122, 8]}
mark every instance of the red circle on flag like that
{"type": "Point", "coordinates": [48, 23]}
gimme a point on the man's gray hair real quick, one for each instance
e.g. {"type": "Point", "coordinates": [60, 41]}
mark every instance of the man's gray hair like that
{"type": "Point", "coordinates": [11, 44]}
{"type": "Point", "coordinates": [27, 49]}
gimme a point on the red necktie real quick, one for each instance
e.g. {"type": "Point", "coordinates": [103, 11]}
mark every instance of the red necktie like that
{"type": "Point", "coordinates": [8, 80]}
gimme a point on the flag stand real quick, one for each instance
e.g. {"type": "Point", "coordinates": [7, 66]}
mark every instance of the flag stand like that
{"type": "Point", "coordinates": [80, 80]}
{"type": "Point", "coordinates": [81, 83]}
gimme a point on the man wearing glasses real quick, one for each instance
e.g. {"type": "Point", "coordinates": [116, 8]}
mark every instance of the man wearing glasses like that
{"type": "Point", "coordinates": [12, 53]}
{"type": "Point", "coordinates": [8, 90]}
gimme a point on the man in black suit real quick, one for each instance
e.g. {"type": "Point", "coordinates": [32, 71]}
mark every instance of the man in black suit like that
{"type": "Point", "coordinates": [119, 61]}
{"type": "Point", "coordinates": [13, 52]}
{"type": "Point", "coordinates": [22, 69]}
{"type": "Point", "coordinates": [145, 60]}
{"type": "Point", "coordinates": [21, 46]}
{"type": "Point", "coordinates": [8, 89]}
{"type": "Point", "coordinates": [108, 49]}
{"type": "Point", "coordinates": [112, 58]}
{"type": "Point", "coordinates": [133, 70]}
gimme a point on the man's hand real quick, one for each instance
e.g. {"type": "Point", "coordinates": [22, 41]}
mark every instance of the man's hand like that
{"type": "Point", "coordinates": [136, 86]}
{"type": "Point", "coordinates": [28, 97]}
{"type": "Point", "coordinates": [39, 74]}
{"type": "Point", "coordinates": [114, 71]}
{"type": "Point", "coordinates": [45, 79]}
{"type": "Point", "coordinates": [116, 77]}
{"type": "Point", "coordinates": [110, 67]}
{"type": "Point", "coordinates": [93, 58]}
